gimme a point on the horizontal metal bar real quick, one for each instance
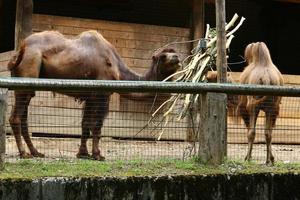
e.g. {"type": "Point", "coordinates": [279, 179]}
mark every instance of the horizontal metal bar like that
{"type": "Point", "coordinates": [144, 86]}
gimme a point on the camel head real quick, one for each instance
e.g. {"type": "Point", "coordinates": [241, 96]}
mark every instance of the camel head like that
{"type": "Point", "coordinates": [261, 54]}
{"type": "Point", "coordinates": [248, 53]}
{"type": "Point", "coordinates": [166, 62]}
{"type": "Point", "coordinates": [258, 53]}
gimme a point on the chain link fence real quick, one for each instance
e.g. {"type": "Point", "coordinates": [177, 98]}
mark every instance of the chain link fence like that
{"type": "Point", "coordinates": [55, 122]}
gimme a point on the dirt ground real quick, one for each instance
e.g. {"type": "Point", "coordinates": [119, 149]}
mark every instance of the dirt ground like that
{"type": "Point", "coordinates": [113, 149]}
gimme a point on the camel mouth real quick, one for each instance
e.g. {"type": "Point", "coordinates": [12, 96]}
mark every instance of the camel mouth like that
{"type": "Point", "coordinates": [174, 61]}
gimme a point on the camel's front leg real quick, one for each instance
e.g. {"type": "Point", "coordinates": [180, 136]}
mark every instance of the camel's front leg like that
{"type": "Point", "coordinates": [95, 149]}
{"type": "Point", "coordinates": [96, 108]}
{"type": "Point", "coordinates": [268, 135]}
{"type": "Point", "coordinates": [101, 105]}
{"type": "Point", "coordinates": [85, 127]}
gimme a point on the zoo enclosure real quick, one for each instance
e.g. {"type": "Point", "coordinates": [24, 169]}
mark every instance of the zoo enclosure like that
{"type": "Point", "coordinates": [287, 132]}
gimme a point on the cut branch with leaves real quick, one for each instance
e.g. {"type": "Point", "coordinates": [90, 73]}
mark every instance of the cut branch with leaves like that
{"type": "Point", "coordinates": [195, 70]}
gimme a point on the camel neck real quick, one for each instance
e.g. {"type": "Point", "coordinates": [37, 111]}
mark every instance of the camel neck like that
{"type": "Point", "coordinates": [127, 74]}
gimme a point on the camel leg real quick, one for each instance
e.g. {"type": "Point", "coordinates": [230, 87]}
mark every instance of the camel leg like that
{"type": "Point", "coordinates": [28, 67]}
{"type": "Point", "coordinates": [95, 111]}
{"type": "Point", "coordinates": [100, 111]}
{"type": "Point", "coordinates": [24, 128]}
{"type": "Point", "coordinates": [96, 131]}
{"type": "Point", "coordinates": [85, 126]}
{"type": "Point", "coordinates": [270, 119]}
{"type": "Point", "coordinates": [251, 131]}
{"type": "Point", "coordinates": [16, 120]}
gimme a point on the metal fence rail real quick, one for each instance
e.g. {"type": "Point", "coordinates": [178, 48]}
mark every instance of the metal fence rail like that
{"type": "Point", "coordinates": [145, 86]}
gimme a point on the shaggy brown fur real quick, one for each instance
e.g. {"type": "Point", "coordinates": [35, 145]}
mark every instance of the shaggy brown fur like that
{"type": "Point", "coordinates": [260, 70]}
{"type": "Point", "coordinates": [89, 56]}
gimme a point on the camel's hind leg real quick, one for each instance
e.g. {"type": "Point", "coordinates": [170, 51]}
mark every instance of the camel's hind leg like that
{"type": "Point", "coordinates": [253, 114]}
{"type": "Point", "coordinates": [271, 117]}
{"type": "Point", "coordinates": [24, 127]}
{"type": "Point", "coordinates": [18, 122]}
{"type": "Point", "coordinates": [28, 67]}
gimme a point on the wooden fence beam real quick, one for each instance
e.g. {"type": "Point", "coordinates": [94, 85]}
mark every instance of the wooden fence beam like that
{"type": "Point", "coordinates": [3, 107]}
{"type": "Point", "coordinates": [23, 27]}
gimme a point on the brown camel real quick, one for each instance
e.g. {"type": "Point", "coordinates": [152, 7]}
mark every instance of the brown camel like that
{"type": "Point", "coordinates": [262, 71]}
{"type": "Point", "coordinates": [49, 54]}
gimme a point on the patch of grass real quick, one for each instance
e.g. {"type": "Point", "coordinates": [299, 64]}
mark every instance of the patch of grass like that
{"type": "Point", "coordinates": [32, 169]}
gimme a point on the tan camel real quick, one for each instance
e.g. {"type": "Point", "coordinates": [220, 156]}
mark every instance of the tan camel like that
{"type": "Point", "coordinates": [262, 71]}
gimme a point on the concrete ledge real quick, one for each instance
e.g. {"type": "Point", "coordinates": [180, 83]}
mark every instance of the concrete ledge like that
{"type": "Point", "coordinates": [256, 186]}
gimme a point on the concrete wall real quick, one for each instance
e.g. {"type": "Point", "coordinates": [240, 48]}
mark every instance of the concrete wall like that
{"type": "Point", "coordinates": [257, 186]}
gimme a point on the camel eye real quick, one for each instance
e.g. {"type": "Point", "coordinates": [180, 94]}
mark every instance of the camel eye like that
{"type": "Point", "coordinates": [108, 63]}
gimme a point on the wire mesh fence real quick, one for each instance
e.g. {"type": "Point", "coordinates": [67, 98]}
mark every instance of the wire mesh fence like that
{"type": "Point", "coordinates": [55, 124]}
{"type": "Point", "coordinates": [285, 134]}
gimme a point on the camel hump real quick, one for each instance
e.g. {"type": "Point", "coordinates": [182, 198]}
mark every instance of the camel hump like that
{"type": "Point", "coordinates": [91, 37]}
{"type": "Point", "coordinates": [17, 58]}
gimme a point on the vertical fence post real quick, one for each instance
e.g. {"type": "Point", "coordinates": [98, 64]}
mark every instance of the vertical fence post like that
{"type": "Point", "coordinates": [3, 107]}
{"type": "Point", "coordinates": [212, 136]}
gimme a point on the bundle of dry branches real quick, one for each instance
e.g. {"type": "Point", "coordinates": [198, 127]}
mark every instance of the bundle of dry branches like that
{"type": "Point", "coordinates": [194, 70]}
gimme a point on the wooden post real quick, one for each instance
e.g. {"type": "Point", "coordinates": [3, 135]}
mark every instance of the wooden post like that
{"type": "Point", "coordinates": [213, 116]}
{"type": "Point", "coordinates": [3, 107]}
{"type": "Point", "coordinates": [221, 41]}
{"type": "Point", "coordinates": [1, 19]}
{"type": "Point", "coordinates": [212, 138]}
{"type": "Point", "coordinates": [23, 25]}
{"type": "Point", "coordinates": [222, 76]}
{"type": "Point", "coordinates": [198, 19]}
{"type": "Point", "coordinates": [197, 32]}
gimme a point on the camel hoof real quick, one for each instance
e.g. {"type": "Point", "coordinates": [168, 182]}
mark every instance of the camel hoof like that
{"type": "Point", "coordinates": [82, 155]}
{"type": "Point", "coordinates": [248, 158]}
{"type": "Point", "coordinates": [98, 157]}
{"type": "Point", "coordinates": [270, 163]}
{"type": "Point", "coordinates": [38, 155]}
{"type": "Point", "coordinates": [25, 155]}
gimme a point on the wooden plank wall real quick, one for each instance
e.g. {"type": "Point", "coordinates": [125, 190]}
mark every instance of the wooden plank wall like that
{"type": "Point", "coordinates": [136, 44]}
{"type": "Point", "coordinates": [4, 58]}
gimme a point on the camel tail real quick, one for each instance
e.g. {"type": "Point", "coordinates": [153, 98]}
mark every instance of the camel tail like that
{"type": "Point", "coordinates": [16, 59]}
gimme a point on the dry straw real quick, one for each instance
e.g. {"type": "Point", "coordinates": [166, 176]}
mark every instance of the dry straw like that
{"type": "Point", "coordinates": [194, 70]}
